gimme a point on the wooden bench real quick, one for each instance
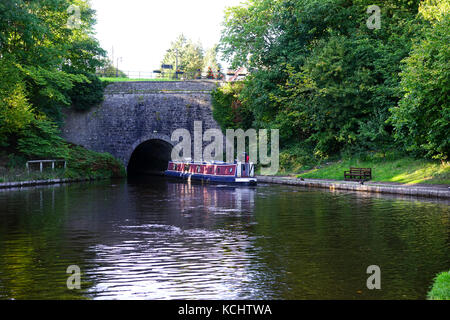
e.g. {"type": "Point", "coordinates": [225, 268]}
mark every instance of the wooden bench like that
{"type": "Point", "coordinates": [358, 174]}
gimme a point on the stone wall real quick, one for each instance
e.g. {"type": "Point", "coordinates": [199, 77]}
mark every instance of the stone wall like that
{"type": "Point", "coordinates": [135, 112]}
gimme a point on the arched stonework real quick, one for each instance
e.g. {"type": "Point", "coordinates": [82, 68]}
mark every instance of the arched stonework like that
{"type": "Point", "coordinates": [135, 112]}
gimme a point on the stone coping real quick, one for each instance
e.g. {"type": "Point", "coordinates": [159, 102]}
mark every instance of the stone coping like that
{"type": "Point", "coordinates": [21, 184]}
{"type": "Point", "coordinates": [420, 191]}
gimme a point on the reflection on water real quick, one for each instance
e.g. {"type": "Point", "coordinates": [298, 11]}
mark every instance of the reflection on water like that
{"type": "Point", "coordinates": [161, 239]}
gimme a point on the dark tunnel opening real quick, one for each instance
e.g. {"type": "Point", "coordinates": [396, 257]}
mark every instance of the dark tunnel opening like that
{"type": "Point", "coordinates": [150, 158]}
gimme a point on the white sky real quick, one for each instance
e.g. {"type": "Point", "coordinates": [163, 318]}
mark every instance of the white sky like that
{"type": "Point", "coordinates": [141, 30]}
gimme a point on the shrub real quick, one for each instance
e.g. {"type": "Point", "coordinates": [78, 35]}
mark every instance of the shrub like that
{"type": "Point", "coordinates": [228, 109]}
{"type": "Point", "coordinates": [441, 287]}
{"type": "Point", "coordinates": [87, 94]}
{"type": "Point", "coordinates": [41, 140]}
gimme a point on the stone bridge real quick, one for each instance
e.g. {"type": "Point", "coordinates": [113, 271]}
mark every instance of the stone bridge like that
{"type": "Point", "coordinates": [136, 120]}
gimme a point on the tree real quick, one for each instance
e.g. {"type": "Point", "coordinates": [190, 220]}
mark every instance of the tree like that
{"type": "Point", "coordinates": [185, 54]}
{"type": "Point", "coordinates": [42, 60]}
{"type": "Point", "coordinates": [318, 73]}
{"type": "Point", "coordinates": [15, 110]}
{"type": "Point", "coordinates": [422, 117]}
{"type": "Point", "coordinates": [47, 51]}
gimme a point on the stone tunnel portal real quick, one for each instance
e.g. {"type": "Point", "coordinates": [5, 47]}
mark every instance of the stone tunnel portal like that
{"type": "Point", "coordinates": [150, 157]}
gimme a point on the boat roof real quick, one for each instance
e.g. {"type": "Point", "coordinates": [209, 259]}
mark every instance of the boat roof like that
{"type": "Point", "coordinates": [201, 162]}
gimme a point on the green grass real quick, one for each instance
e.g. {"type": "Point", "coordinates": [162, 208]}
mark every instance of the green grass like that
{"type": "Point", "coordinates": [441, 287]}
{"type": "Point", "coordinates": [404, 170]}
{"type": "Point", "coordinates": [81, 164]}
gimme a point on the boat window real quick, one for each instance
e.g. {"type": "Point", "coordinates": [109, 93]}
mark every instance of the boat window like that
{"type": "Point", "coordinates": [231, 170]}
{"type": "Point", "coordinates": [218, 170]}
{"type": "Point", "coordinates": [198, 168]}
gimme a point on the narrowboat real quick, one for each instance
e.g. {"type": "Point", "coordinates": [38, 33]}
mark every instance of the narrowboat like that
{"type": "Point", "coordinates": [241, 173]}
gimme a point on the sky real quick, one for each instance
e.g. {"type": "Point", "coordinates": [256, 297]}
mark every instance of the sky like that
{"type": "Point", "coordinates": [140, 31]}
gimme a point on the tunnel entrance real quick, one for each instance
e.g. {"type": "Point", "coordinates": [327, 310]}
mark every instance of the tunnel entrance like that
{"type": "Point", "coordinates": [150, 158]}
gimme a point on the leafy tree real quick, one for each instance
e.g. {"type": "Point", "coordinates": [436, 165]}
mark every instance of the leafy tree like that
{"type": "Point", "coordinates": [186, 54]}
{"type": "Point", "coordinates": [422, 118]}
{"type": "Point", "coordinates": [46, 50]}
{"type": "Point", "coordinates": [318, 73]}
{"type": "Point", "coordinates": [15, 110]}
{"type": "Point", "coordinates": [42, 140]}
{"type": "Point", "coordinates": [44, 64]}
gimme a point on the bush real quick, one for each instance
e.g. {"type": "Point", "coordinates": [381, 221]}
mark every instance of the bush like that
{"type": "Point", "coordinates": [441, 287]}
{"type": "Point", "coordinates": [41, 140]}
{"type": "Point", "coordinates": [298, 157]}
{"type": "Point", "coordinates": [83, 163]}
{"type": "Point", "coordinates": [87, 94]}
{"type": "Point", "coordinates": [228, 109]}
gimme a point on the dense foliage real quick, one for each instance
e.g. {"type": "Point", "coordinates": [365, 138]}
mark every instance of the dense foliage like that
{"type": "Point", "coordinates": [48, 59]}
{"type": "Point", "coordinates": [422, 118]}
{"type": "Point", "coordinates": [228, 109]}
{"type": "Point", "coordinates": [87, 94]}
{"type": "Point", "coordinates": [333, 85]}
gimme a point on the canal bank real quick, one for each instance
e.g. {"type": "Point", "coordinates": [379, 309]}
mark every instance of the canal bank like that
{"type": "Point", "coordinates": [371, 187]}
{"type": "Point", "coordinates": [21, 184]}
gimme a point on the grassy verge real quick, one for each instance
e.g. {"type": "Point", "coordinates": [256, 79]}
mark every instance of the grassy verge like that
{"type": "Point", "coordinates": [396, 169]}
{"type": "Point", "coordinates": [441, 287]}
{"type": "Point", "coordinates": [81, 163]}
{"type": "Point", "coordinates": [404, 170]}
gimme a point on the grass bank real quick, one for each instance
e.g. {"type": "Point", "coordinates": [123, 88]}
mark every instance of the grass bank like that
{"type": "Point", "coordinates": [401, 170]}
{"type": "Point", "coordinates": [441, 287]}
{"type": "Point", "coordinates": [81, 164]}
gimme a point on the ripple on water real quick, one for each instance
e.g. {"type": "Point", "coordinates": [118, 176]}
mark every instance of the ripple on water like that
{"type": "Point", "coordinates": [171, 263]}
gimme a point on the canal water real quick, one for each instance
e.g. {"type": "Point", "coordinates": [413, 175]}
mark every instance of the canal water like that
{"type": "Point", "coordinates": [161, 239]}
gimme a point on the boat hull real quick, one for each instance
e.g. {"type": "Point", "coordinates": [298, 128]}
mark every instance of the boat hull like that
{"type": "Point", "coordinates": [211, 178]}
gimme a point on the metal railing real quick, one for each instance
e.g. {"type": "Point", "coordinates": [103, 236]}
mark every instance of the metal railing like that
{"type": "Point", "coordinates": [42, 162]}
{"type": "Point", "coordinates": [162, 75]}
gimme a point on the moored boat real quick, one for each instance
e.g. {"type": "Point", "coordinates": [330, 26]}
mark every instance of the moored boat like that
{"type": "Point", "coordinates": [242, 173]}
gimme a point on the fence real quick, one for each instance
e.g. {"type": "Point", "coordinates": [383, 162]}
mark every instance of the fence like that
{"type": "Point", "coordinates": [162, 75]}
{"type": "Point", "coordinates": [41, 163]}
